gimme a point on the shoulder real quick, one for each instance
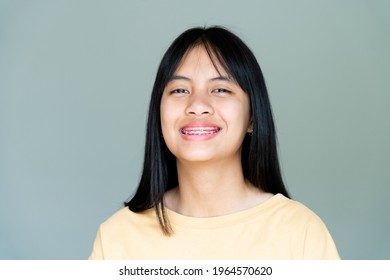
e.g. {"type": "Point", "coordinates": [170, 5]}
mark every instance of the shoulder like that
{"type": "Point", "coordinates": [292, 211]}
{"type": "Point", "coordinates": [125, 220]}
{"type": "Point", "coordinates": [311, 236]}
{"type": "Point", "coordinates": [123, 230]}
{"type": "Point", "coordinates": [295, 218]}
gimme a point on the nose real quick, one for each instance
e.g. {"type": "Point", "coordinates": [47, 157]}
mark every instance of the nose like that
{"type": "Point", "coordinates": [199, 104]}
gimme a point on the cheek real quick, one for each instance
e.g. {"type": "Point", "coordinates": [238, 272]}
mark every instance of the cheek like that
{"type": "Point", "coordinates": [164, 122]}
{"type": "Point", "coordinates": [239, 114]}
{"type": "Point", "coordinates": [167, 117]}
{"type": "Point", "coordinates": [246, 112]}
{"type": "Point", "coordinates": [164, 116]}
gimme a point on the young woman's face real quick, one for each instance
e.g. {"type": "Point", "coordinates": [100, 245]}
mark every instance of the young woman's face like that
{"type": "Point", "coordinates": [204, 114]}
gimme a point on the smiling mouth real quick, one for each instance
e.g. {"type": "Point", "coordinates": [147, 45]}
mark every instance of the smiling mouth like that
{"type": "Point", "coordinates": [200, 130]}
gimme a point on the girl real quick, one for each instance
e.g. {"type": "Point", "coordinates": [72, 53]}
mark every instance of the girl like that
{"type": "Point", "coordinates": [211, 186]}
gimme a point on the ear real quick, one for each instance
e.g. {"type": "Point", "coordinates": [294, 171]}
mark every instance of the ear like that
{"type": "Point", "coordinates": [250, 127]}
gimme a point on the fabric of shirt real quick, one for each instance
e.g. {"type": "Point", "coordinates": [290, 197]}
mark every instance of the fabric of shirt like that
{"type": "Point", "coordinates": [279, 228]}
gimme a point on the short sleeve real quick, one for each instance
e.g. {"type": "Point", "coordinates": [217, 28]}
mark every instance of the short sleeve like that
{"type": "Point", "coordinates": [318, 243]}
{"type": "Point", "coordinates": [97, 251]}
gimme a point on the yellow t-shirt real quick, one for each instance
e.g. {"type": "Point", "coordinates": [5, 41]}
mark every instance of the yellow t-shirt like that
{"type": "Point", "coordinates": [279, 228]}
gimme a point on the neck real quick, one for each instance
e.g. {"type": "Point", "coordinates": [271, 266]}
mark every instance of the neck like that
{"type": "Point", "coordinates": [212, 189]}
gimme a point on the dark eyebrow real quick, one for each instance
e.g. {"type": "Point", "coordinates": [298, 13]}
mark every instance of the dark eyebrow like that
{"type": "Point", "coordinates": [178, 77]}
{"type": "Point", "coordinates": [222, 78]}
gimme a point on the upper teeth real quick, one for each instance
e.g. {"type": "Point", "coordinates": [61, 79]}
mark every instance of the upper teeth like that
{"type": "Point", "coordinates": [199, 130]}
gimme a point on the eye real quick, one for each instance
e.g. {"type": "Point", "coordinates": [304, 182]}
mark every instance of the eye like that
{"type": "Point", "coordinates": [221, 90]}
{"type": "Point", "coordinates": [180, 91]}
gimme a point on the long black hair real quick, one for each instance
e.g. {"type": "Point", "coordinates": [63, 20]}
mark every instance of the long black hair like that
{"type": "Point", "coordinates": [259, 150]}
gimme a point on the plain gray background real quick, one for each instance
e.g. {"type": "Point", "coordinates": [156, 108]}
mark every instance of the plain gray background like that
{"type": "Point", "coordinates": [75, 80]}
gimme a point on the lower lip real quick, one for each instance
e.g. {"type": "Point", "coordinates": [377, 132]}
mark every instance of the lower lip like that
{"type": "Point", "coordinates": [200, 137]}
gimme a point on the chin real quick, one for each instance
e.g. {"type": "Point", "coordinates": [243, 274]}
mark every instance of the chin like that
{"type": "Point", "coordinates": [196, 156]}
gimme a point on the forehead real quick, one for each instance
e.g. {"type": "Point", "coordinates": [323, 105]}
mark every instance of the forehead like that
{"type": "Point", "coordinates": [199, 58]}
